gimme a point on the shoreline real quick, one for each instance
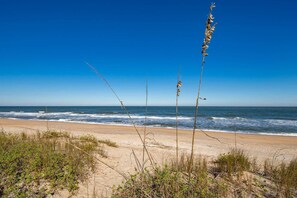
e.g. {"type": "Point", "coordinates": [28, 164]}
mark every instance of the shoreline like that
{"type": "Point", "coordinates": [40, 125]}
{"type": "Point", "coordinates": [286, 134]}
{"type": "Point", "coordinates": [208, 143]}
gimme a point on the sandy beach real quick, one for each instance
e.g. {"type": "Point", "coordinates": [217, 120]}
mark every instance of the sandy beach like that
{"type": "Point", "coordinates": [161, 145]}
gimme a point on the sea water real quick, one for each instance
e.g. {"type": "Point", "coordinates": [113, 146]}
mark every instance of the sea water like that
{"type": "Point", "coordinates": [263, 120]}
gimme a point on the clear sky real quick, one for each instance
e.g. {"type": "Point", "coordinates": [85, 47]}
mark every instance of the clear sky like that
{"type": "Point", "coordinates": [43, 45]}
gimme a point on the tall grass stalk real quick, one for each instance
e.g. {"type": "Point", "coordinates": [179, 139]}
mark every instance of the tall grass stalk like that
{"type": "Point", "coordinates": [210, 27]}
{"type": "Point", "coordinates": [125, 109]}
{"type": "Point", "coordinates": [178, 85]}
{"type": "Point", "coordinates": [145, 119]}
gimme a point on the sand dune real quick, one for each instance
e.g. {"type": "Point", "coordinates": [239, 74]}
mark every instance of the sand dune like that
{"type": "Point", "coordinates": [161, 144]}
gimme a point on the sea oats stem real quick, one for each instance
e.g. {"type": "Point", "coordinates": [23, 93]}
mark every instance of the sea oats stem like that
{"type": "Point", "coordinates": [125, 109]}
{"type": "Point", "coordinates": [145, 119]}
{"type": "Point", "coordinates": [176, 130]}
{"type": "Point", "coordinates": [178, 85]}
{"type": "Point", "coordinates": [196, 112]}
{"type": "Point", "coordinates": [208, 35]}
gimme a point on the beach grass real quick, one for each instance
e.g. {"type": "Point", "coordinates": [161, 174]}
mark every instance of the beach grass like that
{"type": "Point", "coordinates": [167, 181]}
{"type": "Point", "coordinates": [233, 174]}
{"type": "Point", "coordinates": [233, 162]}
{"type": "Point", "coordinates": [109, 143]}
{"type": "Point", "coordinates": [284, 175]}
{"type": "Point", "coordinates": [40, 165]}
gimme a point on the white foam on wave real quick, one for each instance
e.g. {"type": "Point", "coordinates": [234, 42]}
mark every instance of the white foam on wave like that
{"type": "Point", "coordinates": [136, 117]}
{"type": "Point", "coordinates": [229, 118]}
{"type": "Point", "coordinates": [250, 122]}
{"type": "Point", "coordinates": [240, 123]}
{"type": "Point", "coordinates": [249, 132]}
{"type": "Point", "coordinates": [218, 118]}
{"type": "Point", "coordinates": [14, 113]}
{"type": "Point", "coordinates": [282, 122]}
{"type": "Point", "coordinates": [280, 134]}
{"type": "Point", "coordinates": [72, 114]}
{"type": "Point", "coordinates": [87, 122]}
{"type": "Point", "coordinates": [160, 126]}
{"type": "Point", "coordinates": [272, 121]}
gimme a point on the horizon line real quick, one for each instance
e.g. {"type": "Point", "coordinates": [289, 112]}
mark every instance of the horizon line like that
{"type": "Point", "coordinates": [143, 106]}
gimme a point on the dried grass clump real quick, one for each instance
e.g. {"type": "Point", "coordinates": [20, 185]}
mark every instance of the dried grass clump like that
{"type": "Point", "coordinates": [233, 162]}
{"type": "Point", "coordinates": [55, 134]}
{"type": "Point", "coordinates": [89, 143]}
{"type": "Point", "coordinates": [166, 181]}
{"type": "Point", "coordinates": [94, 140]}
{"type": "Point", "coordinates": [109, 143]}
{"type": "Point", "coordinates": [88, 138]}
{"type": "Point", "coordinates": [284, 175]}
{"type": "Point", "coordinates": [200, 164]}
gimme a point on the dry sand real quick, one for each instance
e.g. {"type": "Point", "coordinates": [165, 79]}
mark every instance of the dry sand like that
{"type": "Point", "coordinates": [161, 145]}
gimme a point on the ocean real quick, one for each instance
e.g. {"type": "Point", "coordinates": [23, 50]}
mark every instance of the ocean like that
{"type": "Point", "coordinates": [263, 120]}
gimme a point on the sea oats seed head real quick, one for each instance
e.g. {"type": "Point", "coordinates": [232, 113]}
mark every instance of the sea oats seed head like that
{"type": "Point", "coordinates": [179, 84]}
{"type": "Point", "coordinates": [213, 5]}
{"type": "Point", "coordinates": [178, 92]}
{"type": "Point", "coordinates": [208, 30]}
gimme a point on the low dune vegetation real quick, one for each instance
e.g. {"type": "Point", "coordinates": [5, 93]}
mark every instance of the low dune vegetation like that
{"type": "Point", "coordinates": [40, 165]}
{"type": "Point", "coordinates": [233, 174]}
{"type": "Point", "coordinates": [172, 180]}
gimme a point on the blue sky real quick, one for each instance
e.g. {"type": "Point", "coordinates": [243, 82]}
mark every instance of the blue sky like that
{"type": "Point", "coordinates": [43, 45]}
